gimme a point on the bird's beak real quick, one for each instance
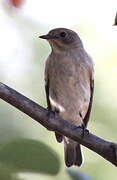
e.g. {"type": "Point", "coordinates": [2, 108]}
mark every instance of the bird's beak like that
{"type": "Point", "coordinates": [48, 36]}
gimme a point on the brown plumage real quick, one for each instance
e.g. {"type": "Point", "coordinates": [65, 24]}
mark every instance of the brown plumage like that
{"type": "Point", "coordinates": [69, 85]}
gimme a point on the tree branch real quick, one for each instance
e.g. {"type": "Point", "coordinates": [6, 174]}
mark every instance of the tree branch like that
{"type": "Point", "coordinates": [106, 149]}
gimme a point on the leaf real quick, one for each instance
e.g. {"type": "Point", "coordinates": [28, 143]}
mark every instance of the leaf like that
{"type": "Point", "coordinates": [30, 155]}
{"type": "Point", "coordinates": [5, 173]}
{"type": "Point", "coordinates": [76, 175]}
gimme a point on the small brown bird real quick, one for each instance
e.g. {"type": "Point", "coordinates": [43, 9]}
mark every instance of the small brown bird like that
{"type": "Point", "coordinates": [69, 83]}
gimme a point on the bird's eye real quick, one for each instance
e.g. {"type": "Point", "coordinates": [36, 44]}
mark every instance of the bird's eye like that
{"type": "Point", "coordinates": [62, 34]}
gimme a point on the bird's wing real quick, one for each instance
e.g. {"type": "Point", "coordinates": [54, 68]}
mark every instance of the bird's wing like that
{"type": "Point", "coordinates": [47, 94]}
{"type": "Point", "coordinates": [86, 118]}
{"type": "Point", "coordinates": [47, 83]}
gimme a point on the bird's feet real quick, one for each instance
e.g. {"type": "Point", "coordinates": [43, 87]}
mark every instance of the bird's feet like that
{"type": "Point", "coordinates": [50, 114]}
{"type": "Point", "coordinates": [85, 131]}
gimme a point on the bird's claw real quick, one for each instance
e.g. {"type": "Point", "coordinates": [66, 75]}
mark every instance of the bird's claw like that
{"type": "Point", "coordinates": [50, 113]}
{"type": "Point", "coordinates": [85, 131]}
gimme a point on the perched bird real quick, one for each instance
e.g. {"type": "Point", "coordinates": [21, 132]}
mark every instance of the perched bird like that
{"type": "Point", "coordinates": [69, 84]}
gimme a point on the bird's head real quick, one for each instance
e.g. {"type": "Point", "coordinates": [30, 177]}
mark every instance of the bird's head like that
{"type": "Point", "coordinates": [62, 39]}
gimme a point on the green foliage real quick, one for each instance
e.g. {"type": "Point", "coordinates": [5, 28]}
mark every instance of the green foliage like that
{"type": "Point", "coordinates": [27, 155]}
{"type": "Point", "coordinates": [6, 173]}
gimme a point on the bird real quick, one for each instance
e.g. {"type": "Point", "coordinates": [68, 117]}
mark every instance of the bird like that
{"type": "Point", "coordinates": [69, 85]}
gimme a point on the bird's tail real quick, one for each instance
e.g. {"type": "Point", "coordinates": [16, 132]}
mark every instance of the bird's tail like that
{"type": "Point", "coordinates": [73, 154]}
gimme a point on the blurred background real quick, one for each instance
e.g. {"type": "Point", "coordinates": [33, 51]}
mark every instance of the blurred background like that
{"type": "Point", "coordinates": [27, 150]}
